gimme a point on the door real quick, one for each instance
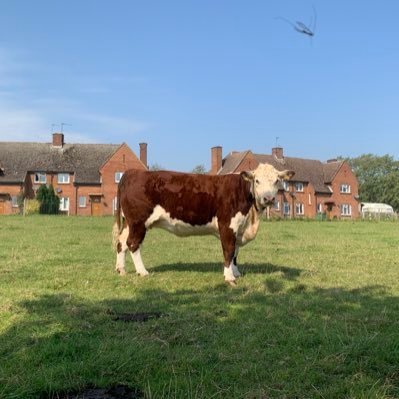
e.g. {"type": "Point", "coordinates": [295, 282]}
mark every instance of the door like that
{"type": "Point", "coordinates": [2, 207]}
{"type": "Point", "coordinates": [96, 208]}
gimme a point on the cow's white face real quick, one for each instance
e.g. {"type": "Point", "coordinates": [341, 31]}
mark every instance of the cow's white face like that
{"type": "Point", "coordinates": [266, 181]}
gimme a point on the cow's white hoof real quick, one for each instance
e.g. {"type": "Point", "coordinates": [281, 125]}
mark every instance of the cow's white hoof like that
{"type": "Point", "coordinates": [143, 274]}
{"type": "Point", "coordinates": [121, 272]}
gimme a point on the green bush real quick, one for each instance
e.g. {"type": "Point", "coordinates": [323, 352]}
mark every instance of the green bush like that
{"type": "Point", "coordinates": [49, 201]}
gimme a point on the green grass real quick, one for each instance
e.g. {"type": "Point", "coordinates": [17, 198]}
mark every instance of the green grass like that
{"type": "Point", "coordinates": [316, 314]}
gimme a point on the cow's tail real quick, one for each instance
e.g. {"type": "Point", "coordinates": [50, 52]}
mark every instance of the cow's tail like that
{"type": "Point", "coordinates": [118, 223]}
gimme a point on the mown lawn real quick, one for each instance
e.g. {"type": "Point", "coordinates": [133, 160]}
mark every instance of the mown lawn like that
{"type": "Point", "coordinates": [316, 314]}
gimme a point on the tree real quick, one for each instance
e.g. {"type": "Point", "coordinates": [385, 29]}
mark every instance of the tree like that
{"type": "Point", "coordinates": [49, 201]}
{"type": "Point", "coordinates": [156, 166]}
{"type": "Point", "coordinates": [378, 178]}
{"type": "Point", "coordinates": [199, 169]}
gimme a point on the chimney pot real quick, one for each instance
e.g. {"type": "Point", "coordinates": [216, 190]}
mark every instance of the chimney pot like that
{"type": "Point", "coordinates": [216, 159]}
{"type": "Point", "coordinates": [58, 140]}
{"type": "Point", "coordinates": [143, 154]}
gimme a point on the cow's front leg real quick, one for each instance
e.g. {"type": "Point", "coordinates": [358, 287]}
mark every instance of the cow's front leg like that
{"type": "Point", "coordinates": [228, 239]}
{"type": "Point", "coordinates": [236, 272]}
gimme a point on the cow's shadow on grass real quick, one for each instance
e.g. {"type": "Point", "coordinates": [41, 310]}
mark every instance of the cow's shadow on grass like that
{"type": "Point", "coordinates": [61, 342]}
{"type": "Point", "coordinates": [290, 273]}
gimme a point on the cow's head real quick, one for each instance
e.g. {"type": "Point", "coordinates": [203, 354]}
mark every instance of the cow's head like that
{"type": "Point", "coordinates": [265, 182]}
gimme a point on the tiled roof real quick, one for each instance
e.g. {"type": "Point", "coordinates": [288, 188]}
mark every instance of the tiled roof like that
{"type": "Point", "coordinates": [85, 160]}
{"type": "Point", "coordinates": [231, 162]}
{"type": "Point", "coordinates": [306, 170]}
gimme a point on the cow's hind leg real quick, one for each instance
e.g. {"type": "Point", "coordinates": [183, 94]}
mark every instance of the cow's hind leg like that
{"type": "Point", "coordinates": [121, 248]}
{"type": "Point", "coordinates": [136, 236]}
{"type": "Point", "coordinates": [228, 239]}
{"type": "Point", "coordinates": [236, 272]}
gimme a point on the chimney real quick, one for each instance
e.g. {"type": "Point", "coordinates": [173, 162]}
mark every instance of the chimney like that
{"type": "Point", "coordinates": [143, 153]}
{"type": "Point", "coordinates": [278, 152]}
{"type": "Point", "coordinates": [216, 159]}
{"type": "Point", "coordinates": [58, 140]}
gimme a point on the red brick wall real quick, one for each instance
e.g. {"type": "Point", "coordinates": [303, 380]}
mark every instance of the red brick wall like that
{"type": "Point", "coordinates": [344, 176]}
{"type": "Point", "coordinates": [122, 160]}
{"type": "Point", "coordinates": [12, 190]}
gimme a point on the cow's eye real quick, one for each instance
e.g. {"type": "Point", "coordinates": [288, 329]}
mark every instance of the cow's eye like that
{"type": "Point", "coordinates": [257, 181]}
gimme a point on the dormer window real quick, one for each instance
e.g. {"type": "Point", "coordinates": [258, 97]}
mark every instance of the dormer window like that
{"type": "Point", "coordinates": [299, 187]}
{"type": "Point", "coordinates": [40, 177]}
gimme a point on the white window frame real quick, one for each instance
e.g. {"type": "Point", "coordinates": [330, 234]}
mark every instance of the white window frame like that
{"type": "Point", "coordinates": [118, 176]}
{"type": "Point", "coordinates": [299, 187]}
{"type": "Point", "coordinates": [276, 205]}
{"type": "Point", "coordinates": [14, 201]}
{"type": "Point", "coordinates": [80, 201]}
{"type": "Point", "coordinates": [286, 185]}
{"type": "Point", "coordinates": [299, 208]}
{"type": "Point", "coordinates": [61, 180]}
{"type": "Point", "coordinates": [286, 208]}
{"type": "Point", "coordinates": [64, 204]}
{"type": "Point", "coordinates": [345, 188]}
{"type": "Point", "coordinates": [319, 207]}
{"type": "Point", "coordinates": [346, 210]}
{"type": "Point", "coordinates": [40, 178]}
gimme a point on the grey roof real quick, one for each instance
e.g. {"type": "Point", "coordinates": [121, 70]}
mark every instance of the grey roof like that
{"type": "Point", "coordinates": [306, 170]}
{"type": "Point", "coordinates": [85, 160]}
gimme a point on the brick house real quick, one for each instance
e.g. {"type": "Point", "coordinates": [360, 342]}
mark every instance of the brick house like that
{"type": "Point", "coordinates": [318, 188]}
{"type": "Point", "coordinates": [84, 176]}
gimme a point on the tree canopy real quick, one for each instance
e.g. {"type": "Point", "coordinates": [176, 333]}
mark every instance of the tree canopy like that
{"type": "Point", "coordinates": [378, 178]}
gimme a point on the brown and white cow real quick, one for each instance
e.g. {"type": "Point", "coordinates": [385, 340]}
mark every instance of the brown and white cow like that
{"type": "Point", "coordinates": [226, 206]}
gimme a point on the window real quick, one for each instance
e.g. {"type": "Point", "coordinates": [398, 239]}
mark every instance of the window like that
{"type": "Point", "coordinates": [299, 208]}
{"type": "Point", "coordinates": [276, 205]}
{"type": "Point", "coordinates": [346, 210]}
{"type": "Point", "coordinates": [345, 188]}
{"type": "Point", "coordinates": [64, 204]}
{"type": "Point", "coordinates": [320, 207]}
{"type": "Point", "coordinates": [118, 176]}
{"type": "Point", "coordinates": [63, 178]}
{"type": "Point", "coordinates": [40, 177]}
{"type": "Point", "coordinates": [286, 186]}
{"type": "Point", "coordinates": [286, 208]}
{"type": "Point", "coordinates": [14, 201]}
{"type": "Point", "coordinates": [299, 186]}
{"type": "Point", "coordinates": [82, 202]}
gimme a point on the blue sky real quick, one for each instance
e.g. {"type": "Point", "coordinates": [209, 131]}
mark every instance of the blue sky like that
{"type": "Point", "coordinates": [184, 76]}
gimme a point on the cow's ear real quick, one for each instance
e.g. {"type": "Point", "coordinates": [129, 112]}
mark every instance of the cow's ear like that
{"type": "Point", "coordinates": [286, 174]}
{"type": "Point", "coordinates": [248, 176]}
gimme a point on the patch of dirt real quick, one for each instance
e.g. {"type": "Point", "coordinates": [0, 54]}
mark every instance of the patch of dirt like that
{"type": "Point", "coordinates": [115, 392]}
{"type": "Point", "coordinates": [140, 317]}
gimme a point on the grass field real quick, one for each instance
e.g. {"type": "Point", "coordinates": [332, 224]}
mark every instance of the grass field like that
{"type": "Point", "coordinates": [316, 314]}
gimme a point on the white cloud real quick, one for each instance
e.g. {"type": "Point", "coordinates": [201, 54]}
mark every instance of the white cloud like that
{"type": "Point", "coordinates": [28, 115]}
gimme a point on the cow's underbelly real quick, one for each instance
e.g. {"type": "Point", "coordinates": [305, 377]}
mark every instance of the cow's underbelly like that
{"type": "Point", "coordinates": [161, 218]}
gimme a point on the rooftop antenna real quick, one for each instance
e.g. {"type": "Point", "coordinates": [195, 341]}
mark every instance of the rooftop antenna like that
{"type": "Point", "coordinates": [52, 127]}
{"type": "Point", "coordinates": [277, 141]}
{"type": "Point", "coordinates": [62, 126]}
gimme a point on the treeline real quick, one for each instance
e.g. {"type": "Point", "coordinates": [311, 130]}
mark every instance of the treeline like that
{"type": "Point", "coordinates": [378, 178]}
